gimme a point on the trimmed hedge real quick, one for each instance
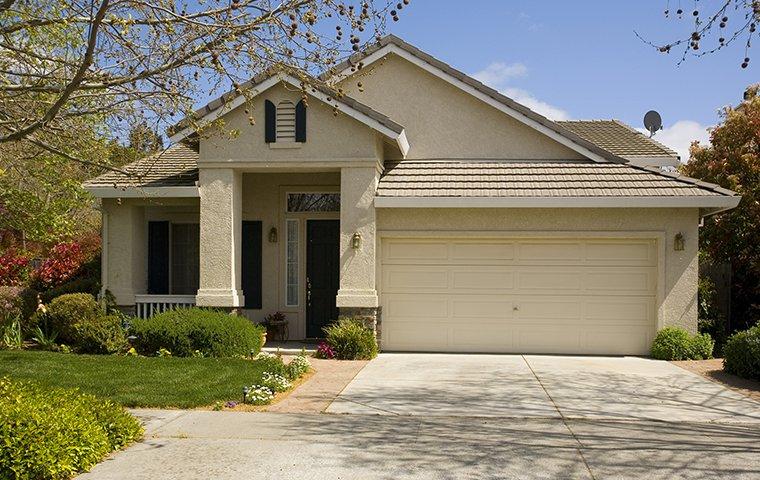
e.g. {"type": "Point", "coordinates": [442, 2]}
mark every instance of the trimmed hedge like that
{"type": "Point", "coordinates": [53, 433]}
{"type": "Point", "coordinates": [102, 335]}
{"type": "Point", "coordinates": [185, 330]}
{"type": "Point", "coordinates": [351, 340]}
{"type": "Point", "coordinates": [675, 343]}
{"type": "Point", "coordinates": [741, 353]}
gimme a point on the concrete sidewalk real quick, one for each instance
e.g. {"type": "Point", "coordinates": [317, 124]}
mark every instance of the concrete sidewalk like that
{"type": "Point", "coordinates": [188, 445]}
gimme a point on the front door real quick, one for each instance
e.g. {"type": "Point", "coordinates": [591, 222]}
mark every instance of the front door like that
{"type": "Point", "coordinates": [322, 274]}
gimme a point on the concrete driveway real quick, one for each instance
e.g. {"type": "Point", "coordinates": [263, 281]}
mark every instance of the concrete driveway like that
{"type": "Point", "coordinates": [531, 386]}
{"type": "Point", "coordinates": [441, 417]}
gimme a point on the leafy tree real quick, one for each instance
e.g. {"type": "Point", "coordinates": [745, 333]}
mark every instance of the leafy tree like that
{"type": "Point", "coordinates": [733, 161]}
{"type": "Point", "coordinates": [122, 62]}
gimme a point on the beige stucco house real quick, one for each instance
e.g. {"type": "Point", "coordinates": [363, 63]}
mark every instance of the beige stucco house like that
{"type": "Point", "coordinates": [437, 209]}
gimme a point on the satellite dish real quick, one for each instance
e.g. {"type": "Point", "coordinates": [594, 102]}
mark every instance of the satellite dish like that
{"type": "Point", "coordinates": [652, 122]}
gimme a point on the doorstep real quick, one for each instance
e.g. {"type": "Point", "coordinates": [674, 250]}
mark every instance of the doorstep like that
{"type": "Point", "coordinates": [289, 348]}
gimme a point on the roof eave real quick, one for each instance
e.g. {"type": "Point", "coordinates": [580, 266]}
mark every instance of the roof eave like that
{"type": "Point", "coordinates": [142, 192]}
{"type": "Point", "coordinates": [711, 203]}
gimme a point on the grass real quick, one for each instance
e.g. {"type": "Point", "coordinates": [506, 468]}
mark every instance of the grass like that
{"type": "Point", "coordinates": [137, 381]}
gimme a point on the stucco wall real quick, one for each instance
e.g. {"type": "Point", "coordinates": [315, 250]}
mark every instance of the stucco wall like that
{"type": "Point", "coordinates": [126, 243]}
{"type": "Point", "coordinates": [328, 137]}
{"type": "Point", "coordinates": [678, 302]}
{"type": "Point", "coordinates": [442, 121]}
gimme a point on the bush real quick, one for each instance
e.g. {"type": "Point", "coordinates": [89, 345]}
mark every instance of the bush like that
{"type": "Point", "coordinates": [702, 346]}
{"type": "Point", "coordinates": [102, 335]}
{"type": "Point", "coordinates": [741, 353]}
{"type": "Point", "coordinates": [53, 433]}
{"type": "Point", "coordinates": [89, 285]}
{"type": "Point", "coordinates": [675, 343]}
{"type": "Point", "coordinates": [66, 311]}
{"type": "Point", "coordinates": [351, 340]}
{"type": "Point", "coordinates": [14, 269]}
{"type": "Point", "coordinates": [17, 302]}
{"type": "Point", "coordinates": [183, 331]}
{"type": "Point", "coordinates": [297, 367]}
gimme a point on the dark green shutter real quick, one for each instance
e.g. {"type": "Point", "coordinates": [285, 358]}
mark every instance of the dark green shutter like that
{"type": "Point", "coordinates": [251, 263]}
{"type": "Point", "coordinates": [301, 121]}
{"type": "Point", "coordinates": [158, 258]}
{"type": "Point", "coordinates": [270, 122]}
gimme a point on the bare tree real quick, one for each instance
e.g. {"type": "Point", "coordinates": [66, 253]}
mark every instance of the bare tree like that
{"type": "Point", "coordinates": [712, 29]}
{"type": "Point", "coordinates": [125, 62]}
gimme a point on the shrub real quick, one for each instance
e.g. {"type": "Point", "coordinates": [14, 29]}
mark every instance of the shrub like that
{"type": "Point", "coordinates": [325, 351]}
{"type": "Point", "coordinates": [53, 433]}
{"type": "Point", "coordinates": [183, 331]}
{"type": "Point", "coordinates": [275, 382]}
{"type": "Point", "coordinates": [675, 343]}
{"type": "Point", "coordinates": [702, 346]}
{"type": "Point", "coordinates": [17, 302]}
{"type": "Point", "coordinates": [351, 340]}
{"type": "Point", "coordinates": [66, 311]}
{"type": "Point", "coordinates": [14, 269]}
{"type": "Point", "coordinates": [741, 353]}
{"type": "Point", "coordinates": [63, 262]}
{"type": "Point", "coordinates": [102, 335]}
{"type": "Point", "coordinates": [89, 285]}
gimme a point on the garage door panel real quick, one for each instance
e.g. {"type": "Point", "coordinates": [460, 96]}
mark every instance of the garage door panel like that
{"type": "Point", "coordinates": [423, 277]}
{"type": "Point", "coordinates": [487, 308]}
{"type": "Point", "coordinates": [415, 250]}
{"type": "Point", "coordinates": [422, 306]}
{"type": "Point", "coordinates": [489, 252]}
{"type": "Point", "coordinates": [593, 296]}
{"type": "Point", "coordinates": [548, 280]}
{"type": "Point", "coordinates": [549, 252]}
{"type": "Point", "coordinates": [622, 253]}
{"type": "Point", "coordinates": [632, 281]}
{"type": "Point", "coordinates": [484, 279]}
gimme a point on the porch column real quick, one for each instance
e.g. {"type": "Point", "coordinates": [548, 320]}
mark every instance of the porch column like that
{"type": "Point", "coordinates": [357, 296]}
{"type": "Point", "coordinates": [220, 225]}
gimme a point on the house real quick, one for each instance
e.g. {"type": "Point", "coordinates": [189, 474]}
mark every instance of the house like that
{"type": "Point", "coordinates": [441, 212]}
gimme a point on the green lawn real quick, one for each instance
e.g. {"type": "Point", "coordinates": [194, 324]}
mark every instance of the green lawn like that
{"type": "Point", "coordinates": [137, 381]}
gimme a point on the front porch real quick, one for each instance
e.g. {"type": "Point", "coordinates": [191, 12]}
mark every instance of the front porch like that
{"type": "Point", "coordinates": [297, 242]}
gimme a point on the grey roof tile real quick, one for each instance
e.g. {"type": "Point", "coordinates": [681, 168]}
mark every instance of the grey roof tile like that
{"type": "Point", "coordinates": [494, 178]}
{"type": "Point", "coordinates": [177, 166]}
{"type": "Point", "coordinates": [618, 138]}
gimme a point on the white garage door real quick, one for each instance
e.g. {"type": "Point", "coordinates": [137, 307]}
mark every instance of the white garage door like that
{"type": "Point", "coordinates": [584, 296]}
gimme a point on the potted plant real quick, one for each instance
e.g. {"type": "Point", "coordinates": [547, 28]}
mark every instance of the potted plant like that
{"type": "Point", "coordinates": [277, 324]}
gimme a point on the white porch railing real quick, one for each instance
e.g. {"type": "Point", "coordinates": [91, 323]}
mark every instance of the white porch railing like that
{"type": "Point", "coordinates": [149, 305]}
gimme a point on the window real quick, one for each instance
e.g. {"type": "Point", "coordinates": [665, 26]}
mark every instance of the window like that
{"type": "Point", "coordinates": [313, 202]}
{"type": "Point", "coordinates": [173, 258]}
{"type": "Point", "coordinates": [291, 264]}
{"type": "Point", "coordinates": [286, 122]}
{"type": "Point", "coordinates": [185, 239]}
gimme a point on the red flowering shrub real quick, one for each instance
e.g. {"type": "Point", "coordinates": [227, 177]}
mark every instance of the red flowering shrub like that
{"type": "Point", "coordinates": [13, 269]}
{"type": "Point", "coordinates": [64, 261]}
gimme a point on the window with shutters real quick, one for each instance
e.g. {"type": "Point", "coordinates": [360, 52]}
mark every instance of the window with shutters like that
{"type": "Point", "coordinates": [286, 122]}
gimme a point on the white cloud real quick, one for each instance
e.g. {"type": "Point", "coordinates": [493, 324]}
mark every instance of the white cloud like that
{"type": "Point", "coordinates": [497, 75]}
{"type": "Point", "coordinates": [680, 135]}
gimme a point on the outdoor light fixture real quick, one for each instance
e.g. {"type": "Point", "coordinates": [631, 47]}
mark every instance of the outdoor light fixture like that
{"type": "Point", "coordinates": [246, 391]}
{"type": "Point", "coordinates": [679, 243]}
{"type": "Point", "coordinates": [273, 235]}
{"type": "Point", "coordinates": [356, 241]}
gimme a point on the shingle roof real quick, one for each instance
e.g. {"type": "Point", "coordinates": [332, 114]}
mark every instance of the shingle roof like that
{"type": "Point", "coordinates": [489, 178]}
{"type": "Point", "coordinates": [618, 138]}
{"type": "Point", "coordinates": [177, 166]}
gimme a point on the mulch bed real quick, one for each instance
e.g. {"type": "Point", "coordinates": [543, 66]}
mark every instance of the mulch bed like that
{"type": "Point", "coordinates": [713, 370]}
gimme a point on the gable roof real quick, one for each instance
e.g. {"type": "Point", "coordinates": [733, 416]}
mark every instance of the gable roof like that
{"type": "Point", "coordinates": [620, 139]}
{"type": "Point", "coordinates": [231, 100]}
{"type": "Point", "coordinates": [393, 44]}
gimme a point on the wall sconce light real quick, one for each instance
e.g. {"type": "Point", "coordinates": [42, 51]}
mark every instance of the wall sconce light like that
{"type": "Point", "coordinates": [356, 241]}
{"type": "Point", "coordinates": [273, 235]}
{"type": "Point", "coordinates": [679, 243]}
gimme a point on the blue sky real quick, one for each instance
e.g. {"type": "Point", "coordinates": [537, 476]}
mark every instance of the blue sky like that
{"type": "Point", "coordinates": [582, 60]}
